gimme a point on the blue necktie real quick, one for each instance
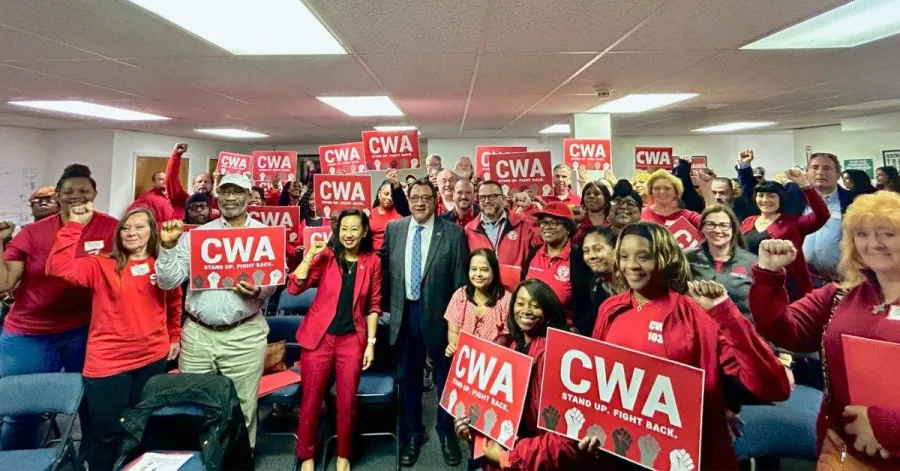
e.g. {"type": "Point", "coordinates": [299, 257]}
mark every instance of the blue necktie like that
{"type": "Point", "coordinates": [415, 277]}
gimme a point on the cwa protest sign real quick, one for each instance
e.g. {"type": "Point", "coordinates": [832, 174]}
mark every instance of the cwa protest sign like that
{"type": "Point", "coordinates": [592, 154]}
{"type": "Point", "coordinates": [489, 384]}
{"type": "Point", "coordinates": [652, 158]}
{"type": "Point", "coordinates": [316, 234]}
{"type": "Point", "coordinates": [391, 149]}
{"type": "Point", "coordinates": [274, 216]}
{"type": "Point", "coordinates": [335, 193]}
{"type": "Point", "coordinates": [267, 164]}
{"type": "Point", "coordinates": [483, 152]}
{"type": "Point", "coordinates": [698, 163]}
{"type": "Point", "coordinates": [643, 408]}
{"type": "Point", "coordinates": [229, 162]}
{"type": "Point", "coordinates": [524, 171]}
{"type": "Point", "coordinates": [221, 258]}
{"type": "Point", "coordinates": [685, 233]}
{"type": "Point", "coordinates": [342, 158]}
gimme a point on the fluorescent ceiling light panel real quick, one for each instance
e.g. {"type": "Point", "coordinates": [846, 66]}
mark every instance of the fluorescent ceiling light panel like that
{"type": "Point", "coordinates": [869, 105]}
{"type": "Point", "coordinates": [395, 128]}
{"type": "Point", "coordinates": [739, 126]}
{"type": "Point", "coordinates": [639, 102]}
{"type": "Point", "coordinates": [84, 108]}
{"type": "Point", "coordinates": [556, 129]}
{"type": "Point", "coordinates": [250, 28]}
{"type": "Point", "coordinates": [229, 132]}
{"type": "Point", "coordinates": [855, 23]}
{"type": "Point", "coordinates": [362, 105]}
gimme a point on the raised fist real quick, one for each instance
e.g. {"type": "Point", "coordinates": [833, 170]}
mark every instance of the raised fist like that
{"type": "Point", "coordinates": [317, 248]}
{"type": "Point", "coordinates": [649, 448]}
{"type": "Point", "coordinates": [545, 190]}
{"type": "Point", "coordinates": [621, 441]}
{"type": "Point", "coordinates": [490, 418]}
{"type": "Point", "coordinates": [574, 422]}
{"type": "Point", "coordinates": [228, 283]}
{"type": "Point", "coordinates": [746, 156]}
{"type": "Point", "coordinates": [180, 148]}
{"type": "Point", "coordinates": [197, 282]}
{"type": "Point", "coordinates": [680, 460]}
{"type": "Point", "coordinates": [474, 413]}
{"type": "Point", "coordinates": [275, 277]}
{"type": "Point", "coordinates": [551, 417]}
{"type": "Point", "coordinates": [797, 176]}
{"type": "Point", "coordinates": [391, 177]}
{"type": "Point", "coordinates": [707, 294]}
{"type": "Point", "coordinates": [596, 431]}
{"type": "Point", "coordinates": [82, 213]}
{"type": "Point", "coordinates": [170, 233]}
{"type": "Point", "coordinates": [6, 229]}
{"type": "Point", "coordinates": [258, 277]}
{"type": "Point", "coordinates": [460, 409]}
{"type": "Point", "coordinates": [213, 278]}
{"type": "Point", "coordinates": [775, 254]}
{"type": "Point", "coordinates": [451, 400]}
{"type": "Point", "coordinates": [506, 432]}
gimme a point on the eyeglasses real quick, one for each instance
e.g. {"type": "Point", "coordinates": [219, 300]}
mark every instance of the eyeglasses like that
{"type": "Point", "coordinates": [549, 224]}
{"type": "Point", "coordinates": [722, 226]}
{"type": "Point", "coordinates": [421, 199]}
{"type": "Point", "coordinates": [491, 198]}
{"type": "Point", "coordinates": [198, 207]}
{"type": "Point", "coordinates": [50, 200]}
{"type": "Point", "coordinates": [627, 204]}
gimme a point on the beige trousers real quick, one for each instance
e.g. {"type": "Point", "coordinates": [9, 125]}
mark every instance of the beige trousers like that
{"type": "Point", "coordinates": [238, 354]}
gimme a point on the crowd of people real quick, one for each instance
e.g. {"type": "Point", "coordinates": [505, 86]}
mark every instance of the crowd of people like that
{"type": "Point", "coordinates": [782, 272]}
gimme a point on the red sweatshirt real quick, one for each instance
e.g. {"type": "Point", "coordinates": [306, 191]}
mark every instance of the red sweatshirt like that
{"type": "Point", "coordinates": [722, 342]}
{"type": "Point", "coordinates": [378, 223]}
{"type": "Point", "coordinates": [177, 196]}
{"type": "Point", "coordinates": [158, 204]}
{"type": "Point", "coordinates": [795, 229]}
{"type": "Point", "coordinates": [133, 320]}
{"type": "Point", "coordinates": [799, 327]}
{"type": "Point", "coordinates": [46, 305]}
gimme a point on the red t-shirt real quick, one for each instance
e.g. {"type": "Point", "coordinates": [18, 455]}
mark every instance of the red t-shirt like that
{"type": "Point", "coordinates": [158, 204]}
{"type": "Point", "coordinates": [641, 330]}
{"type": "Point", "coordinates": [133, 321]}
{"type": "Point", "coordinates": [378, 223]}
{"type": "Point", "coordinates": [648, 215]}
{"type": "Point", "coordinates": [572, 199]}
{"type": "Point", "coordinates": [44, 304]}
{"type": "Point", "coordinates": [555, 271]}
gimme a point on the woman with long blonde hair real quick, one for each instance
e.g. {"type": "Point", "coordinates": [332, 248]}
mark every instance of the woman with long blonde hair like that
{"type": "Point", "coordinates": [866, 305]}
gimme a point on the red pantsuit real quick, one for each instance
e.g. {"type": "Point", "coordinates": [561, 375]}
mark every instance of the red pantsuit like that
{"type": "Point", "coordinates": [323, 352]}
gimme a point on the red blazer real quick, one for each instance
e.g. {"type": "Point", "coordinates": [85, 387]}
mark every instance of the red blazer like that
{"type": "Point", "coordinates": [795, 229]}
{"type": "Point", "coordinates": [519, 236]}
{"type": "Point", "coordinates": [724, 343]}
{"type": "Point", "coordinates": [325, 274]}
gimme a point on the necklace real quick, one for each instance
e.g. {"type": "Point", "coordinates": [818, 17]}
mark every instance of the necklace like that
{"type": "Point", "coordinates": [640, 305]}
{"type": "Point", "coordinates": [350, 266]}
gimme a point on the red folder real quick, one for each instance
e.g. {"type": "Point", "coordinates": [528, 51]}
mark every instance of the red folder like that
{"type": "Point", "coordinates": [276, 381]}
{"type": "Point", "coordinates": [872, 375]}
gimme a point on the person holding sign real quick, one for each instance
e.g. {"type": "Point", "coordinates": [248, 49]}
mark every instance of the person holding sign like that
{"type": "Point", "coordinates": [773, 223]}
{"type": "Point", "coordinates": [666, 189]}
{"type": "Point", "coordinates": [859, 428]}
{"type": "Point", "coordinates": [534, 307]}
{"type": "Point", "coordinates": [390, 205]}
{"type": "Point", "coordinates": [338, 334]}
{"type": "Point", "coordinates": [225, 332]}
{"type": "Point", "coordinates": [595, 199]}
{"type": "Point", "coordinates": [127, 306]}
{"type": "Point", "coordinates": [481, 307]}
{"type": "Point", "coordinates": [661, 313]}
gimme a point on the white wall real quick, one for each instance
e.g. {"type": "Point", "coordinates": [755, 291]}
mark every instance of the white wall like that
{"type": "Point", "coordinates": [451, 150]}
{"type": "Point", "coordinates": [21, 148]}
{"type": "Point", "coordinates": [93, 148]}
{"type": "Point", "coordinates": [845, 144]}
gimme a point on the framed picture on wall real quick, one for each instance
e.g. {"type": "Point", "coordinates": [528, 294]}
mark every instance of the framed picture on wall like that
{"type": "Point", "coordinates": [891, 158]}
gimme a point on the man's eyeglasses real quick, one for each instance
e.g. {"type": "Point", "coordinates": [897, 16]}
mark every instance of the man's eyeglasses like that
{"type": "Point", "coordinates": [199, 207]}
{"type": "Point", "coordinates": [722, 226]}
{"type": "Point", "coordinates": [49, 201]}
{"type": "Point", "coordinates": [421, 199]}
{"type": "Point", "coordinates": [626, 204]}
{"type": "Point", "coordinates": [486, 198]}
{"type": "Point", "coordinates": [549, 223]}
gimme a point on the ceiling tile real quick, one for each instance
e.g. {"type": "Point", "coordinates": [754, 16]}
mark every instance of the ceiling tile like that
{"type": "Point", "coordinates": [629, 72]}
{"type": "Point", "coordinates": [423, 75]}
{"type": "Point", "coordinates": [526, 73]}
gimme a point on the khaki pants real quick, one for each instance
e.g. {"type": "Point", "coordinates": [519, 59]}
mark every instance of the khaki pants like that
{"type": "Point", "coordinates": [238, 354]}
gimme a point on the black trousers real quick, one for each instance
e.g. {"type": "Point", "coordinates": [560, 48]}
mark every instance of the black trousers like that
{"type": "Point", "coordinates": [107, 398]}
{"type": "Point", "coordinates": [412, 358]}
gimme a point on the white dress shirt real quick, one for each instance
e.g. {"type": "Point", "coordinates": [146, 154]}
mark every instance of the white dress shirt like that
{"type": "Point", "coordinates": [215, 306]}
{"type": "Point", "coordinates": [426, 243]}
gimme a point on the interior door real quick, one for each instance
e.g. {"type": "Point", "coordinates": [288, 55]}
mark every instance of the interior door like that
{"type": "Point", "coordinates": [146, 167]}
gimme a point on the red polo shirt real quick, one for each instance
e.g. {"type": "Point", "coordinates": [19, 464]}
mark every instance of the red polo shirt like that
{"type": "Point", "coordinates": [45, 304]}
{"type": "Point", "coordinates": [572, 199]}
{"type": "Point", "coordinates": [555, 271]}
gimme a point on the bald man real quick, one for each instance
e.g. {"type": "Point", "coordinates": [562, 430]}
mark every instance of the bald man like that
{"type": "Point", "coordinates": [464, 209]}
{"type": "Point", "coordinates": [446, 184]}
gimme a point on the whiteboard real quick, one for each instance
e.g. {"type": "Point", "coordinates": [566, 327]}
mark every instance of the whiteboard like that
{"type": "Point", "coordinates": [16, 185]}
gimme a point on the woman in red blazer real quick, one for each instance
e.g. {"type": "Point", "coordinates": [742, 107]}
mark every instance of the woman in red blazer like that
{"type": "Point", "coordinates": [772, 223]}
{"type": "Point", "coordinates": [339, 330]}
{"type": "Point", "coordinates": [701, 327]}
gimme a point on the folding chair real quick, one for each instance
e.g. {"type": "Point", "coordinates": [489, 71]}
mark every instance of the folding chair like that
{"type": "Point", "coordinates": [297, 305]}
{"type": "Point", "coordinates": [53, 393]}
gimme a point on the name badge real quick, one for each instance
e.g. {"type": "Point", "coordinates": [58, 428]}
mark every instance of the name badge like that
{"type": "Point", "coordinates": [894, 313]}
{"type": "Point", "coordinates": [93, 246]}
{"type": "Point", "coordinates": [140, 270]}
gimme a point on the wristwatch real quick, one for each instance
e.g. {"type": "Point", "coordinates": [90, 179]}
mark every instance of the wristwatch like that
{"type": "Point", "coordinates": [371, 340]}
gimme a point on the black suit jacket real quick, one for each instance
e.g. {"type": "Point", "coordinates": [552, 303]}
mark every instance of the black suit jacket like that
{"type": "Point", "coordinates": [446, 270]}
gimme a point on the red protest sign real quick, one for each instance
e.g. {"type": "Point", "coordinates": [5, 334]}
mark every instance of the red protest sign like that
{"type": "Point", "coordinates": [391, 149]}
{"type": "Point", "coordinates": [274, 216]}
{"type": "Point", "coordinates": [267, 164]}
{"type": "Point", "coordinates": [229, 162]}
{"type": "Point", "coordinates": [482, 153]}
{"type": "Point", "coordinates": [190, 227]}
{"type": "Point", "coordinates": [643, 408]}
{"type": "Point", "coordinates": [685, 233]}
{"type": "Point", "coordinates": [524, 171]}
{"type": "Point", "coordinates": [489, 384]}
{"type": "Point", "coordinates": [312, 235]}
{"type": "Point", "coordinates": [698, 163]}
{"type": "Point", "coordinates": [220, 258]}
{"type": "Point", "coordinates": [342, 158]}
{"type": "Point", "coordinates": [652, 158]}
{"type": "Point", "coordinates": [335, 193]}
{"type": "Point", "coordinates": [592, 154]}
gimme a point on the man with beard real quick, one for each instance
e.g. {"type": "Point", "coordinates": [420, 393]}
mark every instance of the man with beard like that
{"type": "Point", "coordinates": [463, 199]}
{"type": "Point", "coordinates": [225, 332]}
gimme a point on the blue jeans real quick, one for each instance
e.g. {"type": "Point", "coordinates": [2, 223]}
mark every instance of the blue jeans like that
{"type": "Point", "coordinates": [28, 354]}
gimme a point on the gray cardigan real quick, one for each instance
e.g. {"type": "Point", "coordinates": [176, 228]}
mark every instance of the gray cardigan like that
{"type": "Point", "coordinates": [736, 276]}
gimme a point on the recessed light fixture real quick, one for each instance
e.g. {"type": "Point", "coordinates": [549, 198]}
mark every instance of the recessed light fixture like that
{"type": "Point", "coordinates": [556, 129]}
{"type": "Point", "coordinates": [230, 132]}
{"type": "Point", "coordinates": [849, 25]}
{"type": "Point", "coordinates": [362, 105]}
{"type": "Point", "coordinates": [270, 27]}
{"type": "Point", "coordinates": [395, 128]}
{"type": "Point", "coordinates": [638, 102]}
{"type": "Point", "coordinates": [84, 108]}
{"type": "Point", "coordinates": [739, 126]}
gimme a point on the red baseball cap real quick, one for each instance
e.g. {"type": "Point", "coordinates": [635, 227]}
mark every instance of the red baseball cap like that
{"type": "Point", "coordinates": [556, 209]}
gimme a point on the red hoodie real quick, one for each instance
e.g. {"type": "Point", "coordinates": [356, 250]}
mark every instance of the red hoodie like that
{"type": "Point", "coordinates": [722, 342]}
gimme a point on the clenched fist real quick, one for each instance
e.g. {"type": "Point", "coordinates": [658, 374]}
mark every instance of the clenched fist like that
{"type": "Point", "coordinates": [180, 148]}
{"type": "Point", "coordinates": [6, 229]}
{"type": "Point", "coordinates": [746, 156]}
{"type": "Point", "coordinates": [81, 213]}
{"type": "Point", "coordinates": [170, 233]}
{"type": "Point", "coordinates": [797, 176]}
{"type": "Point", "coordinates": [775, 254]}
{"type": "Point", "coordinates": [708, 294]}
